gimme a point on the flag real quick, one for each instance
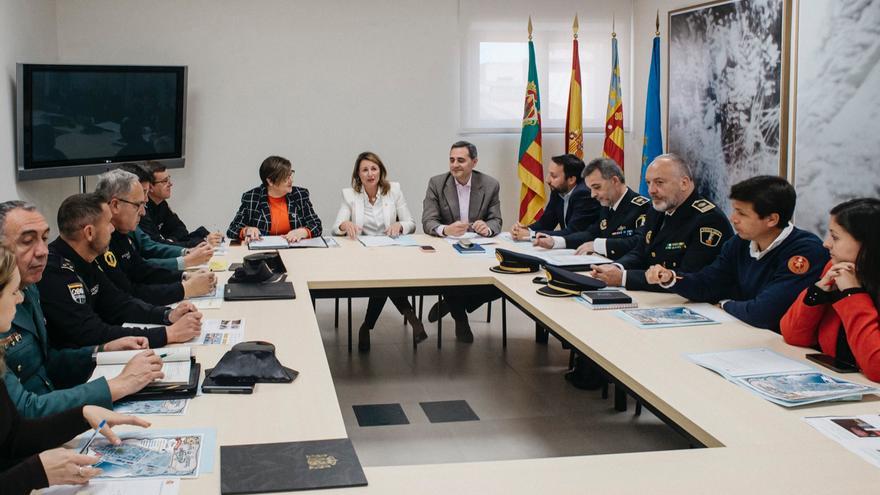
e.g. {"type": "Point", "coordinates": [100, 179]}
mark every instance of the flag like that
{"type": "Point", "coordinates": [574, 129]}
{"type": "Point", "coordinates": [614, 117]}
{"type": "Point", "coordinates": [653, 142]}
{"type": "Point", "coordinates": [530, 169]}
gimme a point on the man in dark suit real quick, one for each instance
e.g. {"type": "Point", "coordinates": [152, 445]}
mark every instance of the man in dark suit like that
{"type": "Point", "coordinates": [570, 207]}
{"type": "Point", "coordinates": [460, 201]}
{"type": "Point", "coordinates": [623, 212]}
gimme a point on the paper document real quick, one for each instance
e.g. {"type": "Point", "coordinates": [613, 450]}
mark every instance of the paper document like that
{"type": "Point", "coordinates": [384, 240]}
{"type": "Point", "coordinates": [858, 434]}
{"type": "Point", "coordinates": [473, 237]}
{"type": "Point", "coordinates": [314, 242]}
{"type": "Point", "coordinates": [172, 407]}
{"type": "Point", "coordinates": [169, 486]}
{"type": "Point", "coordinates": [176, 364]}
{"type": "Point", "coordinates": [563, 260]}
{"type": "Point", "coordinates": [269, 242]}
{"type": "Point", "coordinates": [220, 332]}
{"type": "Point", "coordinates": [144, 455]}
{"type": "Point", "coordinates": [330, 242]}
{"type": "Point", "coordinates": [776, 378]}
{"type": "Point", "coordinates": [679, 316]}
{"type": "Point", "coordinates": [211, 300]}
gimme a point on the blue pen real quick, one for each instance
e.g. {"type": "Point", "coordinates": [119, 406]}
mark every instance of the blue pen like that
{"type": "Point", "coordinates": [94, 434]}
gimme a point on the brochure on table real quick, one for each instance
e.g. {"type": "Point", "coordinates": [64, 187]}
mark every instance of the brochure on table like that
{"type": "Point", "coordinates": [170, 407]}
{"type": "Point", "coordinates": [858, 434]}
{"type": "Point", "coordinates": [168, 486]}
{"type": "Point", "coordinates": [780, 380]}
{"type": "Point", "coordinates": [678, 316]}
{"type": "Point", "coordinates": [385, 241]}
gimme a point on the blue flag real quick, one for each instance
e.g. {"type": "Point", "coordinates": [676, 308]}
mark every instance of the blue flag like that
{"type": "Point", "coordinates": [653, 142]}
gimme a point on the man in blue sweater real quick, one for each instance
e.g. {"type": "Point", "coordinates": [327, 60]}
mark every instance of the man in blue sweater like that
{"type": "Point", "coordinates": [762, 269]}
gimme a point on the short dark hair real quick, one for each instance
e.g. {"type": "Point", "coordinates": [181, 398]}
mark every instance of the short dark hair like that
{"type": "Point", "coordinates": [767, 194]}
{"type": "Point", "coordinates": [607, 167]}
{"type": "Point", "coordinates": [276, 169]}
{"type": "Point", "coordinates": [139, 171]}
{"type": "Point", "coordinates": [154, 167]}
{"type": "Point", "coordinates": [571, 165]}
{"type": "Point", "coordinates": [79, 210]}
{"type": "Point", "coordinates": [472, 150]}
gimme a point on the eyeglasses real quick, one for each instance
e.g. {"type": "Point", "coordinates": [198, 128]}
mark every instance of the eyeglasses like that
{"type": "Point", "coordinates": [166, 180]}
{"type": "Point", "coordinates": [138, 205]}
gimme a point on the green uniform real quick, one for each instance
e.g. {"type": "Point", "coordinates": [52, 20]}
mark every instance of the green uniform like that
{"type": "Point", "coordinates": [42, 380]}
{"type": "Point", "coordinates": [156, 253]}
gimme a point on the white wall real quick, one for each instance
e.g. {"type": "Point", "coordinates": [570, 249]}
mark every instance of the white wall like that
{"type": "Point", "coordinates": [27, 34]}
{"type": "Point", "coordinates": [317, 82]}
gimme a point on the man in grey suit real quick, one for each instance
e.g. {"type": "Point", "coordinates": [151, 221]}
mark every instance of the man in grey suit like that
{"type": "Point", "coordinates": [457, 202]}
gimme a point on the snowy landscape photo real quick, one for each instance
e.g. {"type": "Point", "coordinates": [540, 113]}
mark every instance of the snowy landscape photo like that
{"type": "Point", "coordinates": [836, 145]}
{"type": "Point", "coordinates": [725, 77]}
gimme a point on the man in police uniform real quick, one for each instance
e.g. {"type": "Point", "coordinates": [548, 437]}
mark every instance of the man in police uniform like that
{"type": "Point", "coordinates": [82, 306]}
{"type": "Point", "coordinates": [123, 264]}
{"type": "Point", "coordinates": [760, 271]}
{"type": "Point", "coordinates": [42, 380]}
{"type": "Point", "coordinates": [623, 212]}
{"type": "Point", "coordinates": [683, 231]}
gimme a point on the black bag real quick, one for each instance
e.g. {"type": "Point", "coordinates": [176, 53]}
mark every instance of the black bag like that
{"type": "Point", "coordinates": [260, 268]}
{"type": "Point", "coordinates": [252, 362]}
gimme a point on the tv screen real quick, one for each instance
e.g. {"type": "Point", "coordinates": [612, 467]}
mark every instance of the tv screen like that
{"type": "Point", "coordinates": [78, 120]}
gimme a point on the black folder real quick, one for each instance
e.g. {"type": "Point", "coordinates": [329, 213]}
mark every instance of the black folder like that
{"type": "Point", "coordinates": [289, 466]}
{"type": "Point", "coordinates": [259, 292]}
{"type": "Point", "coordinates": [171, 392]}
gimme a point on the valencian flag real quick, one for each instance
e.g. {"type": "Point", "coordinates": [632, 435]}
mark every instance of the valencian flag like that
{"type": "Point", "coordinates": [531, 170]}
{"type": "Point", "coordinates": [574, 129]}
{"type": "Point", "coordinates": [614, 117]}
{"type": "Point", "coordinates": [653, 143]}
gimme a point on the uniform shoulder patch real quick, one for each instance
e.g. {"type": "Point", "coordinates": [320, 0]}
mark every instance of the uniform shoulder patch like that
{"type": "Point", "coordinates": [641, 220]}
{"type": "Point", "coordinates": [648, 236]}
{"type": "Point", "coordinates": [709, 236]}
{"type": "Point", "coordinates": [703, 205]}
{"type": "Point", "coordinates": [603, 224]}
{"type": "Point", "coordinates": [798, 265]}
{"type": "Point", "coordinates": [77, 292]}
{"type": "Point", "coordinates": [110, 259]}
{"type": "Point", "coordinates": [639, 200]}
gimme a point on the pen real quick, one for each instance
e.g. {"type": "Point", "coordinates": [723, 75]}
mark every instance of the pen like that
{"type": "Point", "coordinates": [163, 356]}
{"type": "Point", "coordinates": [94, 434]}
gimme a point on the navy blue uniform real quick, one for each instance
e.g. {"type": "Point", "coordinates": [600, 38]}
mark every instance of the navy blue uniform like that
{"type": "Point", "coordinates": [582, 212]}
{"type": "Point", "coordinates": [83, 307]}
{"type": "Point", "coordinates": [760, 291]}
{"type": "Point", "coordinates": [163, 225]}
{"type": "Point", "coordinates": [619, 228]}
{"type": "Point", "coordinates": [686, 240]}
{"type": "Point", "coordinates": [131, 273]}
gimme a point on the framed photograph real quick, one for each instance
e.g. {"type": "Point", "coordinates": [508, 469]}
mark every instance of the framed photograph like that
{"type": "Point", "coordinates": [727, 91]}
{"type": "Point", "coordinates": [836, 115]}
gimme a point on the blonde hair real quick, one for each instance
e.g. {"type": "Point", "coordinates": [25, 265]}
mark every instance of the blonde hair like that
{"type": "Point", "coordinates": [7, 268]}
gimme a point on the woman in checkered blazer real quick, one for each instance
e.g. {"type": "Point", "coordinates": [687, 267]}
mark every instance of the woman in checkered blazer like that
{"type": "Point", "coordinates": [276, 207]}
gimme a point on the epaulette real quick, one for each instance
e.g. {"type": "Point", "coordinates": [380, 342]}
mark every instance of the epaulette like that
{"type": "Point", "coordinates": [639, 200]}
{"type": "Point", "coordinates": [66, 264]}
{"type": "Point", "coordinates": [703, 205]}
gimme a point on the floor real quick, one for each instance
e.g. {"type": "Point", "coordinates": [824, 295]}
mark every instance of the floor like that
{"type": "Point", "coordinates": [525, 407]}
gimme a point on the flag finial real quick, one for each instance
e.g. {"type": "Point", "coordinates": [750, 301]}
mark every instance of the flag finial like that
{"type": "Point", "coordinates": [574, 26]}
{"type": "Point", "coordinates": [613, 30]}
{"type": "Point", "coordinates": [530, 28]}
{"type": "Point", "coordinates": [658, 23]}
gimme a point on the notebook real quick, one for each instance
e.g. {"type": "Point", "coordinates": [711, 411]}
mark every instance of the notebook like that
{"type": "Point", "coordinates": [608, 299]}
{"type": "Point", "coordinates": [289, 466]}
{"type": "Point", "coordinates": [472, 249]}
{"type": "Point", "coordinates": [176, 365]}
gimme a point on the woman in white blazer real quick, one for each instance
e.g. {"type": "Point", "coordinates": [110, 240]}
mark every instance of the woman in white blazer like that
{"type": "Point", "coordinates": [375, 206]}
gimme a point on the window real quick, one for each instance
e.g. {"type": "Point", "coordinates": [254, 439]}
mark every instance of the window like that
{"type": "Point", "coordinates": [495, 63]}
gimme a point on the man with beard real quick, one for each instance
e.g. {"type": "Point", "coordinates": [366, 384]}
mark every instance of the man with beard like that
{"type": "Point", "coordinates": [570, 207]}
{"type": "Point", "coordinates": [81, 305]}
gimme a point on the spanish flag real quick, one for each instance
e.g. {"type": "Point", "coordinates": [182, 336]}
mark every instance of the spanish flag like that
{"type": "Point", "coordinates": [614, 117]}
{"type": "Point", "coordinates": [531, 170]}
{"type": "Point", "coordinates": [574, 130]}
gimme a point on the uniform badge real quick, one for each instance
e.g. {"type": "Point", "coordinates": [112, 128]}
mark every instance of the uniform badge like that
{"type": "Point", "coordinates": [702, 205]}
{"type": "Point", "coordinates": [603, 224]}
{"type": "Point", "coordinates": [798, 265]}
{"type": "Point", "coordinates": [110, 259]}
{"type": "Point", "coordinates": [320, 461]}
{"type": "Point", "coordinates": [641, 220]}
{"type": "Point", "coordinates": [77, 292]}
{"type": "Point", "coordinates": [709, 236]}
{"type": "Point", "coordinates": [639, 200]}
{"type": "Point", "coordinates": [66, 264]}
{"type": "Point", "coordinates": [648, 236]}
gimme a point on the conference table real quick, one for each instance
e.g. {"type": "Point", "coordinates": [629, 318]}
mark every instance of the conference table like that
{"type": "Point", "coordinates": [752, 445]}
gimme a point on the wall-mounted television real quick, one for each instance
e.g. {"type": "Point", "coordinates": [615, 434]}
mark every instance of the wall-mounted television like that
{"type": "Point", "coordinates": [77, 120]}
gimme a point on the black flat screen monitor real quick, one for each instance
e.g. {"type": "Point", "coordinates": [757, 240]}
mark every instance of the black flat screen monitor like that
{"type": "Point", "coordinates": [76, 120]}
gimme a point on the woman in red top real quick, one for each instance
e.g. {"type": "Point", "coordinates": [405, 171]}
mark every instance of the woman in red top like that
{"type": "Point", "coordinates": [839, 312]}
